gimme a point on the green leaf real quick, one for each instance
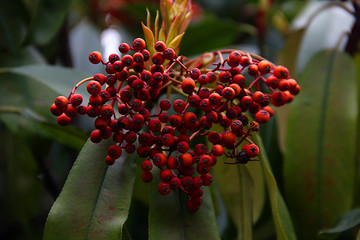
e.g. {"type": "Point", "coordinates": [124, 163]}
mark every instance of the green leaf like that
{"type": "Point", "coordinates": [281, 217]}
{"type": "Point", "coordinates": [59, 79]}
{"type": "Point", "coordinates": [12, 24]}
{"type": "Point", "coordinates": [68, 136]}
{"type": "Point", "coordinates": [319, 165]}
{"type": "Point", "coordinates": [23, 187]}
{"type": "Point", "coordinates": [95, 200]}
{"type": "Point", "coordinates": [346, 222]}
{"type": "Point", "coordinates": [288, 57]}
{"type": "Point", "coordinates": [169, 217]}
{"type": "Point", "coordinates": [209, 34]}
{"type": "Point", "coordinates": [46, 20]}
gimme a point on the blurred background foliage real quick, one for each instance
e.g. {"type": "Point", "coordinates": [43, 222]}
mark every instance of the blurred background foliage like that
{"type": "Point", "coordinates": [312, 146]}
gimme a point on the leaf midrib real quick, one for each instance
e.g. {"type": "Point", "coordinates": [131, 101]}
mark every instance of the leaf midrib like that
{"type": "Point", "coordinates": [321, 133]}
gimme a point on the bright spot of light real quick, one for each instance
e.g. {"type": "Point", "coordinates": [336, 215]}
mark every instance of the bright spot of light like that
{"type": "Point", "coordinates": [110, 39]}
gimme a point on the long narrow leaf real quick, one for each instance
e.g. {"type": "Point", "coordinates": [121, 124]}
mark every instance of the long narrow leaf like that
{"type": "Point", "coordinates": [169, 217]}
{"type": "Point", "coordinates": [95, 200]}
{"type": "Point", "coordinates": [282, 220]}
{"type": "Point", "coordinates": [320, 168]}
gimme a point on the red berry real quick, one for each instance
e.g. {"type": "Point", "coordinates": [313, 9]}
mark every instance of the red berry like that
{"type": "Point", "coordinates": [253, 70]}
{"type": "Point", "coordinates": [195, 73]}
{"type": "Point", "coordinates": [281, 72]}
{"type": "Point", "coordinates": [124, 48]}
{"type": "Point", "coordinates": [206, 161]}
{"type": "Point", "coordinates": [207, 179]}
{"type": "Point", "coordinates": [76, 99]}
{"type": "Point", "coordinates": [146, 165]}
{"type": "Point", "coordinates": [61, 102]}
{"type": "Point", "coordinates": [95, 57]}
{"type": "Point", "coordinates": [228, 93]}
{"type": "Point", "coordinates": [203, 79]}
{"type": "Point", "coordinates": [158, 58]}
{"type": "Point", "coordinates": [95, 136]}
{"type": "Point", "coordinates": [138, 44]}
{"type": "Point", "coordinates": [95, 100]}
{"type": "Point", "coordinates": [70, 111]}
{"type": "Point", "coordinates": [188, 85]}
{"type": "Point", "coordinates": [55, 110]}
{"type": "Point", "coordinates": [182, 147]}
{"type": "Point", "coordinates": [228, 138]}
{"type": "Point", "coordinates": [224, 77]}
{"type": "Point", "coordinates": [217, 150]}
{"type": "Point", "coordinates": [93, 87]}
{"type": "Point", "coordinates": [262, 116]}
{"type": "Point", "coordinates": [159, 159]}
{"type": "Point", "coordinates": [234, 59]}
{"type": "Point", "coordinates": [169, 54]}
{"type": "Point", "coordinates": [185, 159]}
{"type": "Point", "coordinates": [63, 120]}
{"type": "Point", "coordinates": [251, 150]}
{"type": "Point", "coordinates": [109, 160]}
{"type": "Point", "coordinates": [166, 175]}
{"type": "Point", "coordinates": [164, 188]}
{"type": "Point", "coordinates": [175, 182]}
{"type": "Point", "coordinates": [147, 177]}
{"type": "Point", "coordinates": [114, 151]}
{"type": "Point", "coordinates": [264, 67]}
{"type": "Point", "coordinates": [179, 105]}
{"type": "Point", "coordinates": [160, 46]}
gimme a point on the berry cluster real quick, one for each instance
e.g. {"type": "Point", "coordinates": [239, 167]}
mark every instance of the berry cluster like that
{"type": "Point", "coordinates": [216, 96]}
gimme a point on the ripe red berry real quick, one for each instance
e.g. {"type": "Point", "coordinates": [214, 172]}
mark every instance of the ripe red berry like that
{"type": "Point", "coordinates": [252, 150]}
{"type": "Point", "coordinates": [179, 105]}
{"type": "Point", "coordinates": [61, 102]}
{"type": "Point", "coordinates": [95, 100]}
{"type": "Point", "coordinates": [185, 159]}
{"type": "Point", "coordinates": [93, 87]}
{"type": "Point", "coordinates": [160, 46]}
{"type": "Point", "coordinates": [228, 93]}
{"type": "Point", "coordinates": [253, 70]}
{"type": "Point", "coordinates": [55, 110]}
{"type": "Point", "coordinates": [224, 77]}
{"type": "Point", "coordinates": [234, 59]}
{"type": "Point", "coordinates": [195, 73]}
{"type": "Point", "coordinates": [154, 125]}
{"type": "Point", "coordinates": [109, 160]}
{"type": "Point", "coordinates": [138, 57]}
{"type": "Point", "coordinates": [264, 66]}
{"type": "Point", "coordinates": [182, 147]}
{"type": "Point", "coordinates": [70, 111]}
{"type": "Point", "coordinates": [63, 120]}
{"type": "Point", "coordinates": [100, 78]}
{"type": "Point", "coordinates": [239, 79]}
{"type": "Point", "coordinates": [106, 111]}
{"type": "Point", "coordinates": [175, 182]}
{"type": "Point", "coordinates": [147, 177]}
{"type": "Point", "coordinates": [188, 85]}
{"type": "Point", "coordinates": [281, 72]}
{"type": "Point", "coordinates": [95, 57]}
{"type": "Point", "coordinates": [114, 151]}
{"type": "Point", "coordinates": [76, 100]}
{"type": "Point", "coordinates": [166, 175]}
{"type": "Point", "coordinates": [164, 188]}
{"type": "Point", "coordinates": [158, 58]}
{"type": "Point", "coordinates": [217, 150]}
{"type": "Point", "coordinates": [206, 161]}
{"type": "Point", "coordinates": [203, 79]}
{"type": "Point", "coordinates": [159, 159]}
{"type": "Point", "coordinates": [262, 116]}
{"type": "Point", "coordinates": [138, 44]}
{"type": "Point", "coordinates": [169, 54]}
{"type": "Point", "coordinates": [283, 85]}
{"type": "Point", "coordinates": [228, 138]}
{"type": "Point", "coordinates": [207, 179]}
{"type": "Point", "coordinates": [124, 48]}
